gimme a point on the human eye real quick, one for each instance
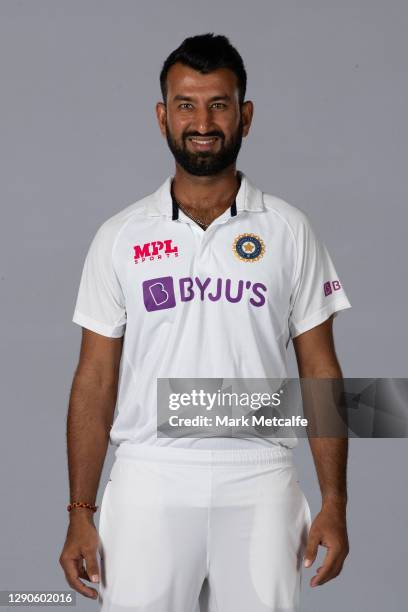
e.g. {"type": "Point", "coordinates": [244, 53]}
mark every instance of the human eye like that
{"type": "Point", "coordinates": [185, 105]}
{"type": "Point", "coordinates": [219, 105]}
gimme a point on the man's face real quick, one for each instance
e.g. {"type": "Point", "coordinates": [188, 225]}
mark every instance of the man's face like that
{"type": "Point", "coordinates": [202, 119]}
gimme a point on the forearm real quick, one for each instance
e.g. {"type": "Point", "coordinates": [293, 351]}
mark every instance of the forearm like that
{"type": "Point", "coordinates": [330, 458]}
{"type": "Point", "coordinates": [329, 453]}
{"type": "Point", "coordinates": [90, 413]}
{"type": "Point", "coordinates": [322, 389]}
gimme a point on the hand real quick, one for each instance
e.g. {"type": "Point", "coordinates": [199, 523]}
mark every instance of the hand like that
{"type": "Point", "coordinates": [81, 545]}
{"type": "Point", "coordinates": [328, 529]}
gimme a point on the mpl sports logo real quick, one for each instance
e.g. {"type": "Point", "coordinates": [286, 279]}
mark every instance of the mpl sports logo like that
{"type": "Point", "coordinates": [155, 250]}
{"type": "Point", "coordinates": [160, 293]}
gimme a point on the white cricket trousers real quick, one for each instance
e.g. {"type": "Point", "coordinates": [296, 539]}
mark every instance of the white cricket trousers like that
{"type": "Point", "coordinates": [185, 530]}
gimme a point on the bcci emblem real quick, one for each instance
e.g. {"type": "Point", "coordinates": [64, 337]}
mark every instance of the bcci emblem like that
{"type": "Point", "coordinates": [248, 247]}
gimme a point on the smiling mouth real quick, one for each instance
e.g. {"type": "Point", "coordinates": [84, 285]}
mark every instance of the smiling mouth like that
{"type": "Point", "coordinates": [202, 140]}
{"type": "Point", "coordinates": [203, 144]}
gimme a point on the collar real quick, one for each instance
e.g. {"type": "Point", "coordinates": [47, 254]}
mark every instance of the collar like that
{"type": "Point", "coordinates": [248, 198]}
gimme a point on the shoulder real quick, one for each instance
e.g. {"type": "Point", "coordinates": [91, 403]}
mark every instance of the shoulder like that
{"type": "Point", "coordinates": [295, 218]}
{"type": "Point", "coordinates": [109, 230]}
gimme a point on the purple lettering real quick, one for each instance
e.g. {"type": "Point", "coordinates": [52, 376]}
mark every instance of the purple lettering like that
{"type": "Point", "coordinates": [255, 289]}
{"type": "Point", "coordinates": [202, 287]}
{"type": "Point", "coordinates": [189, 296]}
{"type": "Point", "coordinates": [228, 291]}
{"type": "Point", "coordinates": [216, 297]}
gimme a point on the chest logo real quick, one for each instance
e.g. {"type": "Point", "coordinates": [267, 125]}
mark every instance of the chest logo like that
{"type": "Point", "coordinates": [166, 292]}
{"type": "Point", "coordinates": [158, 249]}
{"type": "Point", "coordinates": [248, 247]}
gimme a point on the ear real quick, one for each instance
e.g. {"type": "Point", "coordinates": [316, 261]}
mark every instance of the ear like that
{"type": "Point", "coordinates": [161, 116]}
{"type": "Point", "coordinates": [247, 114]}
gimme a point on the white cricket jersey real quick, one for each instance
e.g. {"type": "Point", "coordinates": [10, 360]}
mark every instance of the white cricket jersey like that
{"type": "Point", "coordinates": [219, 303]}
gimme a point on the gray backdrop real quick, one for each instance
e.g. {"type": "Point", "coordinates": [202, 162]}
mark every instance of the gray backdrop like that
{"type": "Point", "coordinates": [79, 142]}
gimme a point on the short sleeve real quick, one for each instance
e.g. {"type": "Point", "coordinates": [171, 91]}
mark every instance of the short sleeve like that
{"type": "Point", "coordinates": [317, 292]}
{"type": "Point", "coordinates": [100, 303]}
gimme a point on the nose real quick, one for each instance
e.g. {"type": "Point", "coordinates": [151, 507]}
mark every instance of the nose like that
{"type": "Point", "coordinates": [203, 119]}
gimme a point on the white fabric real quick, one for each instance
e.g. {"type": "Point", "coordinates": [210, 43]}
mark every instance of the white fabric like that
{"type": "Point", "coordinates": [171, 519]}
{"type": "Point", "coordinates": [281, 296]}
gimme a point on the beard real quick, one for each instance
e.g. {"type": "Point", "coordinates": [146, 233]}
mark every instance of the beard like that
{"type": "Point", "coordinates": [205, 163]}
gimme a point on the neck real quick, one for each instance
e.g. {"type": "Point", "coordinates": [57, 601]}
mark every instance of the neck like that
{"type": "Point", "coordinates": [205, 192]}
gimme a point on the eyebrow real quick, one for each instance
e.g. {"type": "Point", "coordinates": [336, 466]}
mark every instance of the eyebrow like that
{"type": "Point", "coordinates": [213, 99]}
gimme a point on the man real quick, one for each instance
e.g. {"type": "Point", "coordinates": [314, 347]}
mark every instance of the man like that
{"type": "Point", "coordinates": [206, 277]}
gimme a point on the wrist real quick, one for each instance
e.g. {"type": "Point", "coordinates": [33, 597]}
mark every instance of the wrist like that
{"type": "Point", "coordinates": [81, 515]}
{"type": "Point", "coordinates": [336, 499]}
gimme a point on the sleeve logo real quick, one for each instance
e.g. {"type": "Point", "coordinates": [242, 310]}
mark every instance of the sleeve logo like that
{"type": "Point", "coordinates": [330, 286]}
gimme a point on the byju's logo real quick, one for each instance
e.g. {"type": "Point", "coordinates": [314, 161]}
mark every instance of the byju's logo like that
{"type": "Point", "coordinates": [154, 250]}
{"type": "Point", "coordinates": [331, 286]}
{"type": "Point", "coordinates": [159, 293]}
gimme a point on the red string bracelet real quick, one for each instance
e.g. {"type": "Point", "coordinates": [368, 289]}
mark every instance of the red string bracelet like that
{"type": "Point", "coordinates": [81, 505]}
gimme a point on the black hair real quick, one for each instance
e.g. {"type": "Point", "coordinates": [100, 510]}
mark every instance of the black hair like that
{"type": "Point", "coordinates": [205, 53]}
